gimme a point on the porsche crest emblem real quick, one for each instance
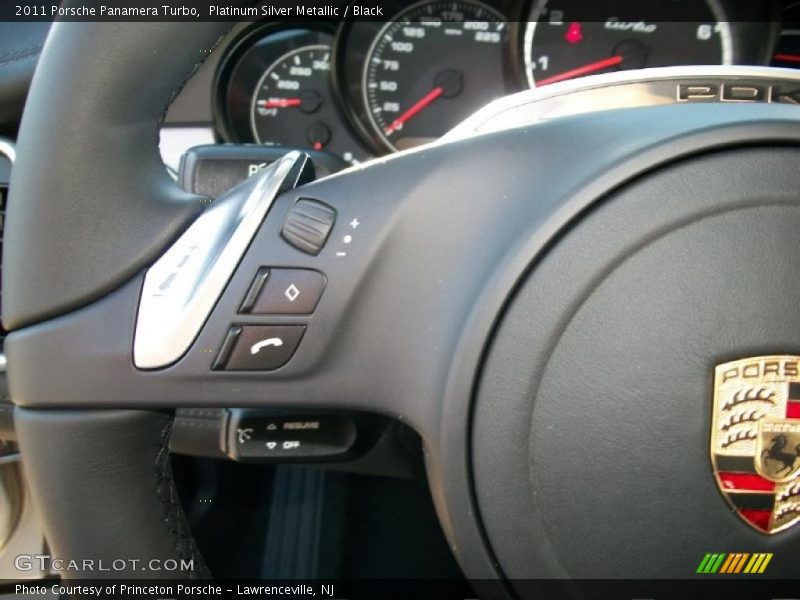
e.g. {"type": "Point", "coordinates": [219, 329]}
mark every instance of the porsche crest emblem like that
{"type": "Point", "coordinates": [755, 439]}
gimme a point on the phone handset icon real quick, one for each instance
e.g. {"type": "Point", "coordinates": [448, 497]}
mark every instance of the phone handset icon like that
{"type": "Point", "coordinates": [274, 341]}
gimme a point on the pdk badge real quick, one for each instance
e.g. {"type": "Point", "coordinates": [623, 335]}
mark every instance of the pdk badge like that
{"type": "Point", "coordinates": [755, 439]}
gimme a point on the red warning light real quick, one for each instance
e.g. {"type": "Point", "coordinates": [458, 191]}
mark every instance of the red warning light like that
{"type": "Point", "coordinates": [574, 35]}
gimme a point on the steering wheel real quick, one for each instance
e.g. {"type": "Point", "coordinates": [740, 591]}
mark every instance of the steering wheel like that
{"type": "Point", "coordinates": [544, 301]}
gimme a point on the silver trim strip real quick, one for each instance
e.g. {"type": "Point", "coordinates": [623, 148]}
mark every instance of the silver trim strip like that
{"type": "Point", "coordinates": [623, 89]}
{"type": "Point", "coordinates": [182, 287]}
{"type": "Point", "coordinates": [7, 459]}
{"type": "Point", "coordinates": [174, 141]}
{"type": "Point", "coordinates": [9, 150]}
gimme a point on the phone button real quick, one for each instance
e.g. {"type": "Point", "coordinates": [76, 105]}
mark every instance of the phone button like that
{"type": "Point", "coordinates": [258, 347]}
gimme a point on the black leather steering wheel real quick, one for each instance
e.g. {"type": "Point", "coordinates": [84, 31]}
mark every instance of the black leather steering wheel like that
{"type": "Point", "coordinates": [545, 304]}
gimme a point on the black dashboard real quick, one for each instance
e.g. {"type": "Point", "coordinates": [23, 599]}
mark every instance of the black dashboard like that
{"type": "Point", "coordinates": [364, 88]}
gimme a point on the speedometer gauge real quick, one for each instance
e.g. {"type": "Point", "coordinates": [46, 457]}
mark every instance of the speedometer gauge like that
{"type": "Point", "coordinates": [275, 87]}
{"type": "Point", "coordinates": [290, 98]}
{"type": "Point", "coordinates": [565, 40]}
{"type": "Point", "coordinates": [430, 68]}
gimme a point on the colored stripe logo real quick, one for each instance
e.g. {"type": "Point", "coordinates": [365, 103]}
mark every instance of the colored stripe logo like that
{"type": "Point", "coordinates": [734, 563]}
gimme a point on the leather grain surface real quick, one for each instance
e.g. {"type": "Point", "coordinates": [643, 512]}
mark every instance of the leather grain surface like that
{"type": "Point", "coordinates": [111, 496]}
{"type": "Point", "coordinates": [91, 202]}
{"type": "Point", "coordinates": [20, 46]}
{"type": "Point", "coordinates": [91, 205]}
{"type": "Point", "coordinates": [592, 421]}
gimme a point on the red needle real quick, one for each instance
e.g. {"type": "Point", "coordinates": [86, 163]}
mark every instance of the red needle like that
{"type": "Point", "coordinates": [280, 102]}
{"type": "Point", "coordinates": [418, 106]}
{"type": "Point", "coordinates": [788, 57]}
{"type": "Point", "coordinates": [584, 70]}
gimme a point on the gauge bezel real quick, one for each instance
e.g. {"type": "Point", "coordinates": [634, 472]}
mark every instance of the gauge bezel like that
{"type": "Point", "coordinates": [268, 70]}
{"type": "Point", "coordinates": [378, 131]}
{"type": "Point", "coordinates": [241, 44]}
{"type": "Point", "coordinates": [241, 131]}
{"type": "Point", "coordinates": [345, 52]}
{"type": "Point", "coordinates": [527, 26]}
{"type": "Point", "coordinates": [355, 38]}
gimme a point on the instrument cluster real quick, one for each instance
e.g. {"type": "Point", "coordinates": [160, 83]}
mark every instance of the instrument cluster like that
{"type": "Point", "coordinates": [365, 88]}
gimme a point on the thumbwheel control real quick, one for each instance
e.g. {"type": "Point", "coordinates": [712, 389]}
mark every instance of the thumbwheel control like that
{"type": "Point", "coordinates": [308, 225]}
{"type": "Point", "coordinates": [258, 347]}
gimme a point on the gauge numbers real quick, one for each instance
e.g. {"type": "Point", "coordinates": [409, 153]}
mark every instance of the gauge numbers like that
{"type": "Point", "coordinates": [561, 44]}
{"type": "Point", "coordinates": [291, 98]}
{"type": "Point", "coordinates": [430, 68]}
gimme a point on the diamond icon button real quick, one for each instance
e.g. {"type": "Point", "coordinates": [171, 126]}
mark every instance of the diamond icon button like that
{"type": "Point", "coordinates": [292, 293]}
{"type": "Point", "coordinates": [278, 291]}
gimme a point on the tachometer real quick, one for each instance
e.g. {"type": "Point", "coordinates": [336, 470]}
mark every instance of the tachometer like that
{"type": "Point", "coordinates": [565, 39]}
{"type": "Point", "coordinates": [430, 68]}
